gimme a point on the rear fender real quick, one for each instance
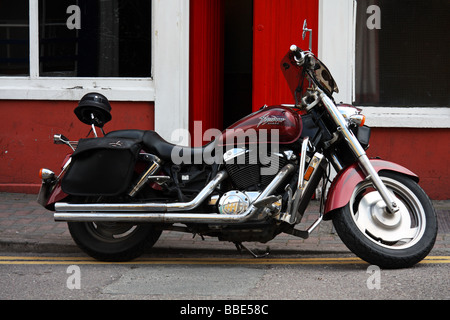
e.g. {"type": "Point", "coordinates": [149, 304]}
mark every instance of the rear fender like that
{"type": "Point", "coordinates": [51, 191]}
{"type": "Point", "coordinates": [346, 181]}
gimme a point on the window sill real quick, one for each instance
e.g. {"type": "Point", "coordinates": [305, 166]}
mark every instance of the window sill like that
{"type": "Point", "coordinates": [388, 117]}
{"type": "Point", "coordinates": [116, 89]}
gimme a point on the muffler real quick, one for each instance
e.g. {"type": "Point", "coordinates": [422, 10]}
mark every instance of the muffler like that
{"type": "Point", "coordinates": [145, 207]}
{"type": "Point", "coordinates": [164, 212]}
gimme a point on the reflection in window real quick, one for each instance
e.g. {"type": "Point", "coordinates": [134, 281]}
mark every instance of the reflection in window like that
{"type": "Point", "coordinates": [95, 38]}
{"type": "Point", "coordinates": [402, 59]}
{"type": "Point", "coordinates": [14, 38]}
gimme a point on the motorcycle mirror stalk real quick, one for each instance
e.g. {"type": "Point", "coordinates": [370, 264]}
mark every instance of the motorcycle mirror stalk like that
{"type": "Point", "coordinates": [61, 139]}
{"type": "Point", "coordinates": [305, 30]}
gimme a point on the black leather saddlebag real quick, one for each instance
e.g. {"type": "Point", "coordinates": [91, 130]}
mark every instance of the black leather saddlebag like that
{"type": "Point", "coordinates": [101, 167]}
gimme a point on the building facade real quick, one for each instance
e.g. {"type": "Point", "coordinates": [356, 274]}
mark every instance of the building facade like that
{"type": "Point", "coordinates": [167, 65]}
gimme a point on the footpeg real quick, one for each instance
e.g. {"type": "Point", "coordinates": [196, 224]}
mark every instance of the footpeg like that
{"type": "Point", "coordinates": [261, 204]}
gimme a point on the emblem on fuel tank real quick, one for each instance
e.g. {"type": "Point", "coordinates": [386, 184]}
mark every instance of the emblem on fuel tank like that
{"type": "Point", "coordinates": [270, 119]}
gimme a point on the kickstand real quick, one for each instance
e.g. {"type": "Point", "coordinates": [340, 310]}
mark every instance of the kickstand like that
{"type": "Point", "coordinates": [240, 246]}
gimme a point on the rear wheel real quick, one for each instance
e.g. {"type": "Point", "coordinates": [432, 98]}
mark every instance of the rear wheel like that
{"type": "Point", "coordinates": [396, 240]}
{"type": "Point", "coordinates": [112, 241]}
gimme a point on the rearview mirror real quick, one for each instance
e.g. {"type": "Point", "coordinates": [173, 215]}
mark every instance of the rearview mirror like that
{"type": "Point", "coordinates": [305, 30]}
{"type": "Point", "coordinates": [60, 139]}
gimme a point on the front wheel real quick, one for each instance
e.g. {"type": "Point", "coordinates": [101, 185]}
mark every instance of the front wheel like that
{"type": "Point", "coordinates": [398, 240]}
{"type": "Point", "coordinates": [113, 241]}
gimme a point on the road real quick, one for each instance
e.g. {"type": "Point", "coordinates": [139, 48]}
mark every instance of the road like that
{"type": "Point", "coordinates": [202, 277]}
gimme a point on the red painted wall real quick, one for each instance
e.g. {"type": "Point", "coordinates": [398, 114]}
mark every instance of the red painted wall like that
{"type": "Point", "coordinates": [423, 151]}
{"type": "Point", "coordinates": [276, 26]}
{"type": "Point", "coordinates": [26, 136]}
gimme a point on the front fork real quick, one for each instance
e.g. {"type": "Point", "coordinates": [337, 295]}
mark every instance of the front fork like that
{"type": "Point", "coordinates": [359, 152]}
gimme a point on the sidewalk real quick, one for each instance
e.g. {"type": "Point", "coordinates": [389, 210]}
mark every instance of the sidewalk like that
{"type": "Point", "coordinates": [26, 227]}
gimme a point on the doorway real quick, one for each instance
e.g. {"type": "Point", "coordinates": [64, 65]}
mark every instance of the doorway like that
{"type": "Point", "coordinates": [238, 60]}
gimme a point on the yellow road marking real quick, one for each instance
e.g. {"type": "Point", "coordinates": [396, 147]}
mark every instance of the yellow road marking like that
{"type": "Point", "coordinates": [25, 260]}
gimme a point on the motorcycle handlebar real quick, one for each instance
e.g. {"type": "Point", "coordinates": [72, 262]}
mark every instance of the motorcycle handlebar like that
{"type": "Point", "coordinates": [303, 58]}
{"type": "Point", "coordinates": [298, 54]}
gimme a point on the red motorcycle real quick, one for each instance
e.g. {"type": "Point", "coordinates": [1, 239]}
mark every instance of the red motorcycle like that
{"type": "Point", "coordinates": [254, 181]}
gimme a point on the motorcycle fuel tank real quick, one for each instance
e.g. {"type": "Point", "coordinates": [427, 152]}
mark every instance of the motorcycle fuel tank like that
{"type": "Point", "coordinates": [271, 124]}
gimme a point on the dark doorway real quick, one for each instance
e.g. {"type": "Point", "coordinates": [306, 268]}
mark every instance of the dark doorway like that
{"type": "Point", "coordinates": [238, 60]}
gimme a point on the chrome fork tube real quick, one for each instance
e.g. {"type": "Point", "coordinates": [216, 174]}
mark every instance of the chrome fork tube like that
{"type": "Point", "coordinates": [359, 152]}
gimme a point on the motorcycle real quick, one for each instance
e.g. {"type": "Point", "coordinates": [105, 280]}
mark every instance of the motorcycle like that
{"type": "Point", "coordinates": [253, 182]}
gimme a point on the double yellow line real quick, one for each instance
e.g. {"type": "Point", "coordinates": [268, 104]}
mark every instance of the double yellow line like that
{"type": "Point", "coordinates": [25, 260]}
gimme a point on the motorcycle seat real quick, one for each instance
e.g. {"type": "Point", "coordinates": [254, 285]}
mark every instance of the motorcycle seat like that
{"type": "Point", "coordinates": [153, 143]}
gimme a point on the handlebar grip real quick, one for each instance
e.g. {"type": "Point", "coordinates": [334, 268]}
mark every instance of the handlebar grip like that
{"type": "Point", "coordinates": [297, 53]}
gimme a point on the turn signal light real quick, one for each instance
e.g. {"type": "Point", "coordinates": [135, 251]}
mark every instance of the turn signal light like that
{"type": "Point", "coordinates": [358, 119]}
{"type": "Point", "coordinates": [46, 174]}
{"type": "Point", "coordinates": [363, 120]}
{"type": "Point", "coordinates": [308, 173]}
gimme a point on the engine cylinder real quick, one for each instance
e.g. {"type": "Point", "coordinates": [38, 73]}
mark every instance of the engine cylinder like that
{"type": "Point", "coordinates": [247, 170]}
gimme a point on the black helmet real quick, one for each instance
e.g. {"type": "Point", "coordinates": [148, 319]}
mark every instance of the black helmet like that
{"type": "Point", "coordinates": [94, 104]}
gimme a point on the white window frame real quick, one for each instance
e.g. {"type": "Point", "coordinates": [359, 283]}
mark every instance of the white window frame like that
{"type": "Point", "coordinates": [337, 34]}
{"type": "Point", "coordinates": [168, 87]}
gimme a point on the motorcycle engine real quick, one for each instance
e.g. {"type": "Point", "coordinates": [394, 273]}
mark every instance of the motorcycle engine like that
{"type": "Point", "coordinates": [246, 169]}
{"type": "Point", "coordinates": [247, 174]}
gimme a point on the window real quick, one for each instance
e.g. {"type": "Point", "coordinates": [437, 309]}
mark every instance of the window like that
{"type": "Point", "coordinates": [14, 38]}
{"type": "Point", "coordinates": [142, 48]}
{"type": "Point", "coordinates": [78, 38]}
{"type": "Point", "coordinates": [392, 79]}
{"type": "Point", "coordinates": [95, 38]}
{"type": "Point", "coordinates": [402, 53]}
{"type": "Point", "coordinates": [62, 49]}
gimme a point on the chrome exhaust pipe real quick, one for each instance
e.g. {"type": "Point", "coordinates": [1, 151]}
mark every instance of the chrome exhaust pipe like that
{"type": "Point", "coordinates": [155, 217]}
{"type": "Point", "coordinates": [135, 213]}
{"type": "Point", "coordinates": [145, 207]}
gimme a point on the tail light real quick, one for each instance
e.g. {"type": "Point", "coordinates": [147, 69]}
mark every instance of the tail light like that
{"type": "Point", "coordinates": [46, 174]}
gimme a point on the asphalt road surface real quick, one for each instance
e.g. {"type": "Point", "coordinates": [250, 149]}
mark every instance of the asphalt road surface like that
{"type": "Point", "coordinates": [338, 276]}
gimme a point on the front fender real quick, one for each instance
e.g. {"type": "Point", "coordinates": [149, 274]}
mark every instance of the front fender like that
{"type": "Point", "coordinates": [346, 181]}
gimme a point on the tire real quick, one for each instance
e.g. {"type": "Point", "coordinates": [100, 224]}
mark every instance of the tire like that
{"type": "Point", "coordinates": [389, 241]}
{"type": "Point", "coordinates": [111, 241]}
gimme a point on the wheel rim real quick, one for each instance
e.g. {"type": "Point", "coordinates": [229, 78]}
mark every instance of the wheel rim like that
{"type": "Point", "coordinates": [111, 231]}
{"type": "Point", "coordinates": [400, 230]}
